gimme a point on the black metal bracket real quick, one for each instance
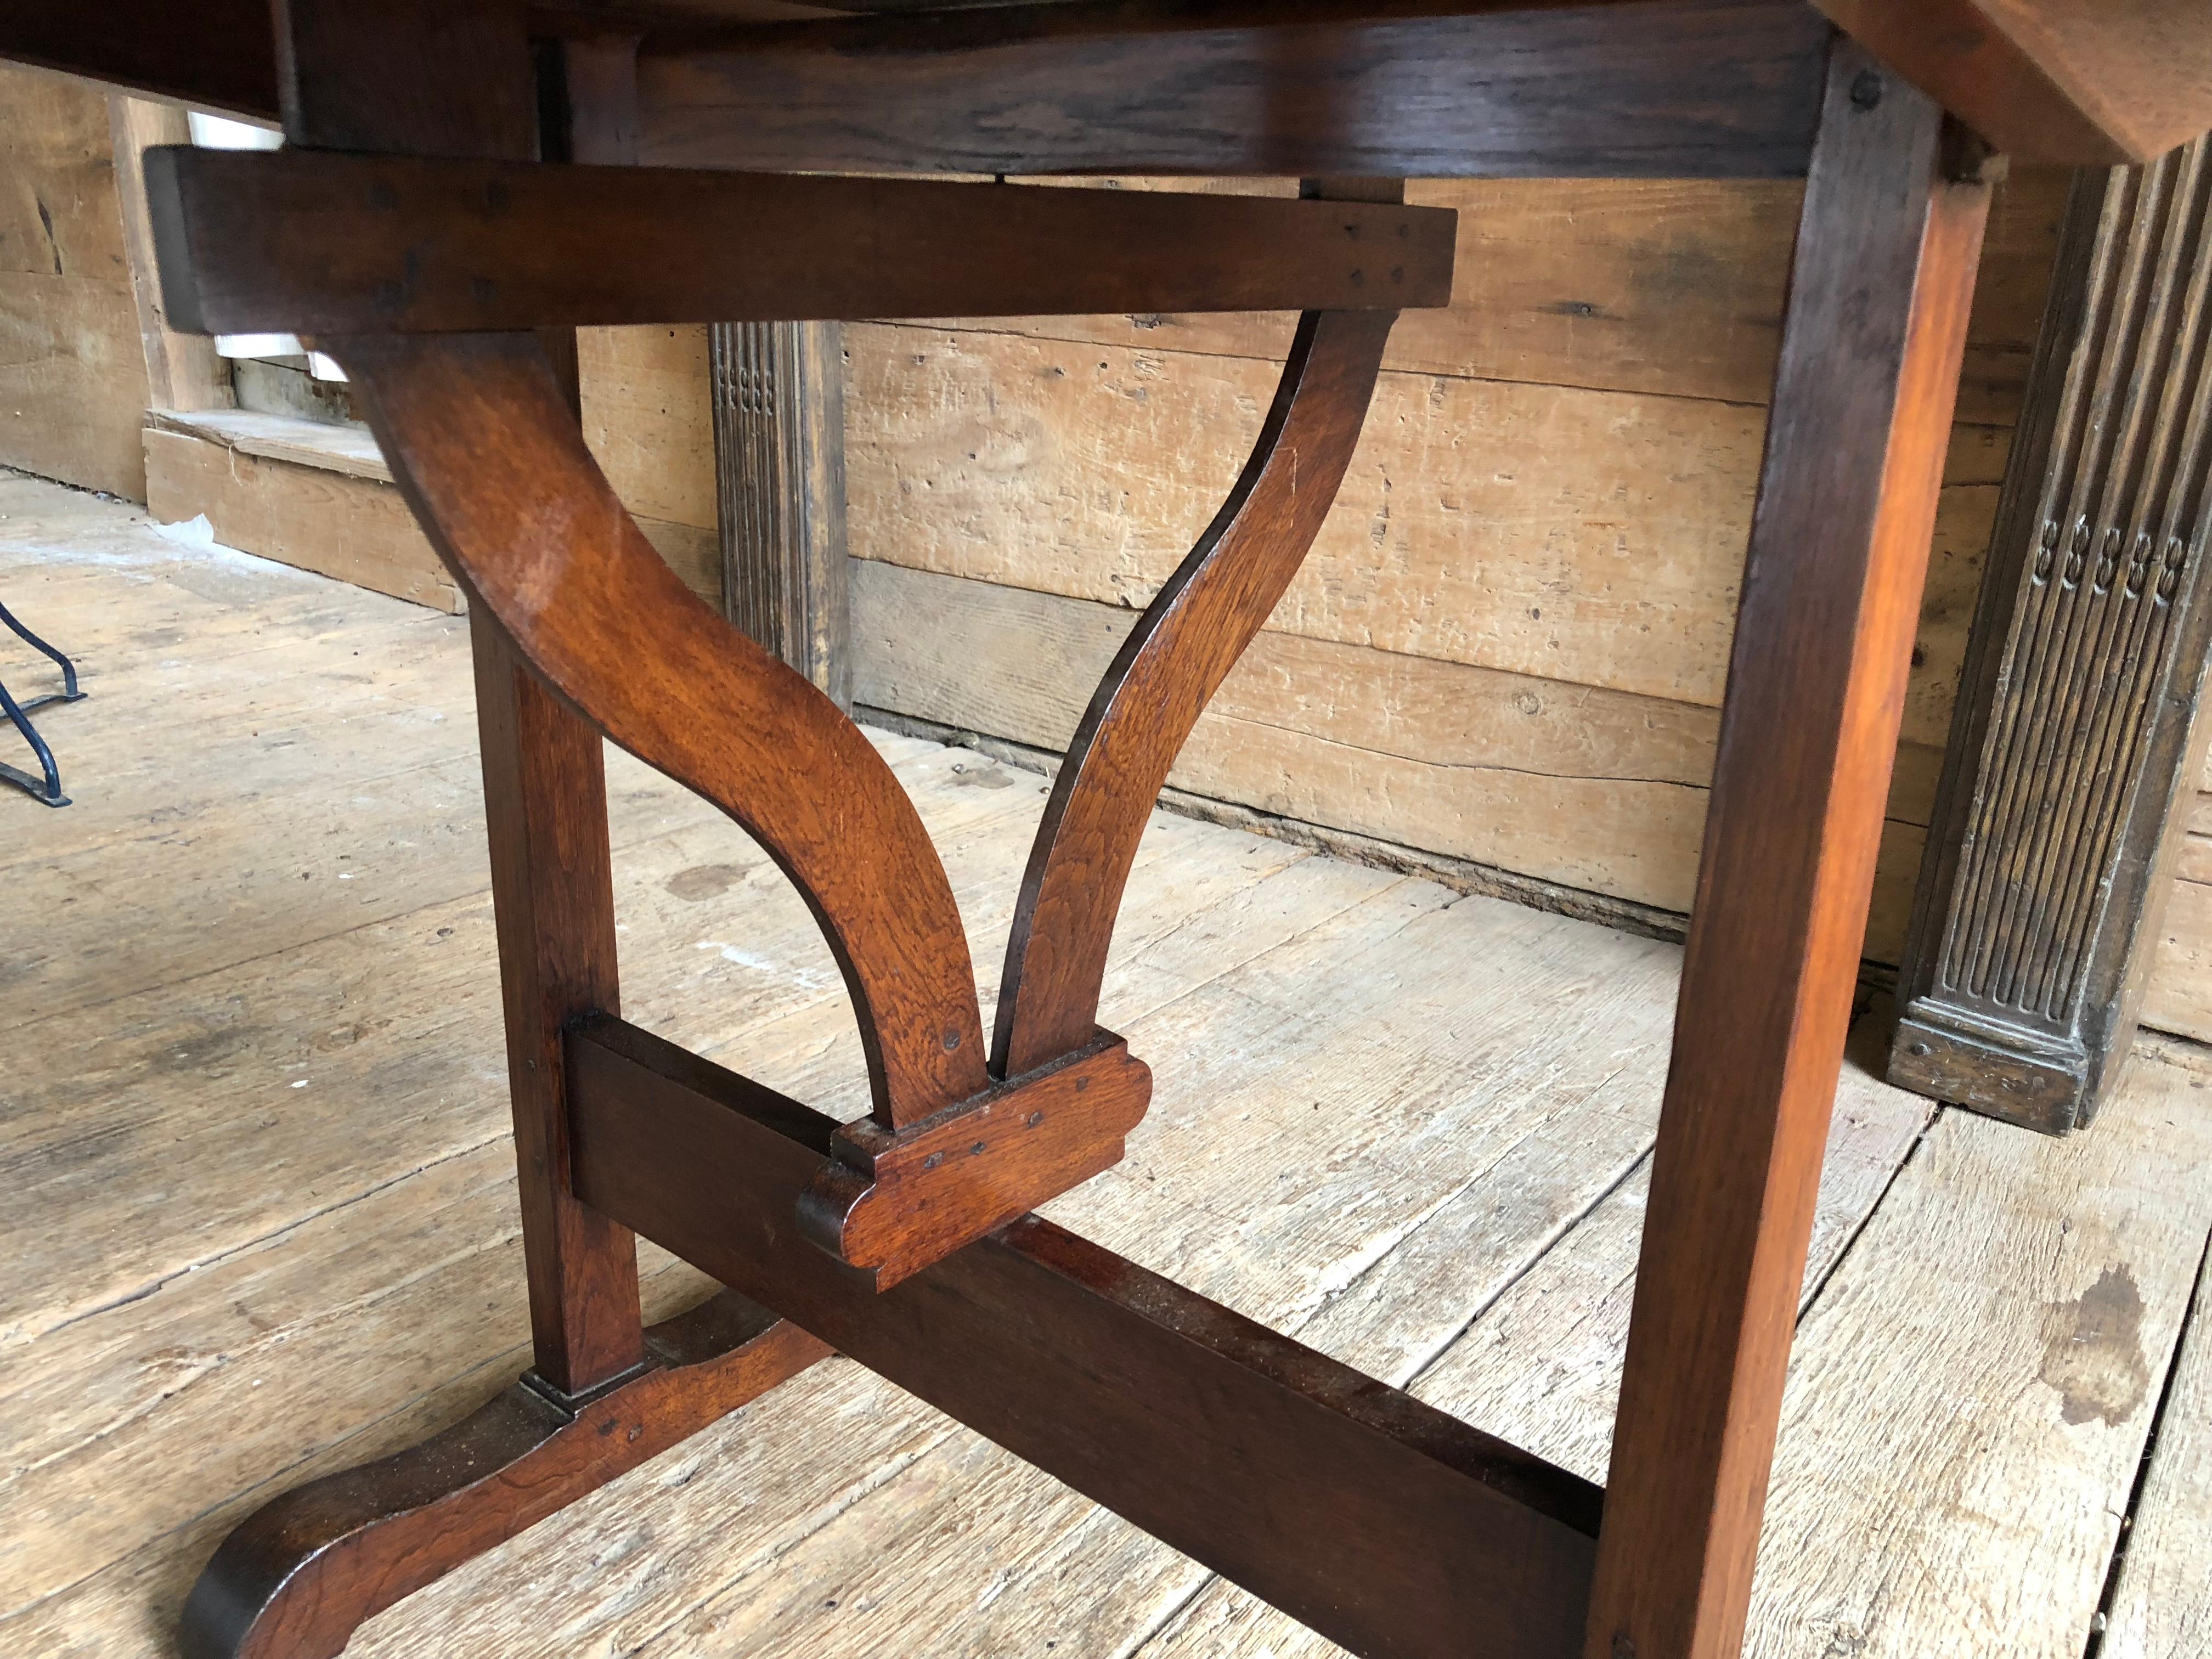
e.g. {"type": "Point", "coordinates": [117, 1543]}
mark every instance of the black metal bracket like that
{"type": "Point", "coordinates": [47, 789]}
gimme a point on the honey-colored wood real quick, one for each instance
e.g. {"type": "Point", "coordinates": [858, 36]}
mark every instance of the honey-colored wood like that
{"type": "Point", "coordinates": [391, 75]}
{"type": "Point", "coordinates": [1393, 1527]}
{"type": "Point", "coordinates": [1871, 347]}
{"type": "Point", "coordinates": [1339, 1498]}
{"type": "Point", "coordinates": [359, 1285]}
{"type": "Point", "coordinates": [894, 1201]}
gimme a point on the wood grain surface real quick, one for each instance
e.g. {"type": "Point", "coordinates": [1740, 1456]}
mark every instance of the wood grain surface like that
{"type": "Point", "coordinates": [1646, 89]}
{"type": "Point", "coordinates": [2162, 1605]}
{"type": "Point", "coordinates": [477, 432]}
{"type": "Point", "coordinates": [298, 242]}
{"type": "Point", "coordinates": [1338, 1499]}
{"type": "Point", "coordinates": [1164, 673]}
{"type": "Point", "coordinates": [295, 1580]}
{"type": "Point", "coordinates": [2053, 80]}
{"type": "Point", "coordinates": [1863, 409]}
{"type": "Point", "coordinates": [358, 1284]}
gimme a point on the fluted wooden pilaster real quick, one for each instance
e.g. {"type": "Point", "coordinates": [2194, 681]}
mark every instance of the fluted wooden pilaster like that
{"type": "Point", "coordinates": [780, 473]}
{"type": "Point", "coordinates": [2041, 888]}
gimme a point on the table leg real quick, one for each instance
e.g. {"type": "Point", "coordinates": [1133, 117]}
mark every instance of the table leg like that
{"type": "Point", "coordinates": [1872, 341]}
{"type": "Point", "coordinates": [553, 895]}
{"type": "Point", "coordinates": [603, 1394]}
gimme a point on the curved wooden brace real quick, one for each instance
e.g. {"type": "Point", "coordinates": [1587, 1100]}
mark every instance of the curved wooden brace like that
{"type": "Point", "coordinates": [1190, 638]}
{"type": "Point", "coordinates": [490, 456]}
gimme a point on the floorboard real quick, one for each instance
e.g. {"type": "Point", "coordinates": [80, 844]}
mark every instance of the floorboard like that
{"type": "Point", "coordinates": [252, 1135]}
{"type": "Point", "coordinates": [2162, 1602]}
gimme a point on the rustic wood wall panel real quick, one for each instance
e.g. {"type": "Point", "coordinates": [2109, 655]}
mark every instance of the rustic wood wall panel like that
{"type": "Point", "coordinates": [2178, 996]}
{"type": "Point", "coordinates": [1590, 536]}
{"type": "Point", "coordinates": [1583, 785]}
{"type": "Point", "coordinates": [648, 418]}
{"type": "Point", "coordinates": [1509, 643]}
{"type": "Point", "coordinates": [315, 515]}
{"type": "Point", "coordinates": [2025, 971]}
{"type": "Point", "coordinates": [72, 371]}
{"type": "Point", "coordinates": [183, 371]}
{"type": "Point", "coordinates": [1666, 286]}
{"type": "Point", "coordinates": [1558, 479]}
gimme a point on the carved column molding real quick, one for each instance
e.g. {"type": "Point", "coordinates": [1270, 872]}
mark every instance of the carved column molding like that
{"type": "Point", "coordinates": [780, 476]}
{"type": "Point", "coordinates": [2044, 879]}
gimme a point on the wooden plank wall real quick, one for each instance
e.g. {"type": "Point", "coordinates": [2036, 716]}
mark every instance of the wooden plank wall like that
{"type": "Point", "coordinates": [1509, 642]}
{"type": "Point", "coordinates": [649, 416]}
{"type": "Point", "coordinates": [2179, 997]}
{"type": "Point", "coordinates": [72, 371]}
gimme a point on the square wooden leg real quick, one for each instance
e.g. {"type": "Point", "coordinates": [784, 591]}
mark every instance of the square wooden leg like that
{"type": "Point", "coordinates": [1872, 342]}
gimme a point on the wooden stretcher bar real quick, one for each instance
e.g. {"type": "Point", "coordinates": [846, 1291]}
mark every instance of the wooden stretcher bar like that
{"type": "Point", "coordinates": [1380, 1522]}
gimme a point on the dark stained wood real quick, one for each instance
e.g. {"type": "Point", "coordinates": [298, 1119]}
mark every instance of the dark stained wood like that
{"type": "Point", "coordinates": [1190, 637]}
{"type": "Point", "coordinates": [2089, 82]}
{"type": "Point", "coordinates": [337, 244]}
{"type": "Point", "coordinates": [396, 75]}
{"type": "Point", "coordinates": [295, 1580]}
{"type": "Point", "coordinates": [544, 783]}
{"type": "Point", "coordinates": [477, 435]}
{"type": "Point", "coordinates": [1872, 339]}
{"type": "Point", "coordinates": [1381, 1522]}
{"type": "Point", "coordinates": [894, 1201]}
{"type": "Point", "coordinates": [779, 391]}
{"type": "Point", "coordinates": [588, 100]}
{"type": "Point", "coordinates": [213, 55]}
{"type": "Point", "coordinates": [1630, 87]}
{"type": "Point", "coordinates": [545, 806]}
{"type": "Point", "coordinates": [2049, 80]}
{"type": "Point", "coordinates": [2044, 882]}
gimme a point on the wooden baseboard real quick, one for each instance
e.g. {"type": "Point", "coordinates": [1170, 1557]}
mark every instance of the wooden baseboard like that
{"type": "Point", "coordinates": [310, 512]}
{"type": "Point", "coordinates": [1576, 788]}
{"type": "Point", "coordinates": [319, 496]}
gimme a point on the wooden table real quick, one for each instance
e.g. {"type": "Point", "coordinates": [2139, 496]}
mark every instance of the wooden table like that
{"type": "Point", "coordinates": [468, 183]}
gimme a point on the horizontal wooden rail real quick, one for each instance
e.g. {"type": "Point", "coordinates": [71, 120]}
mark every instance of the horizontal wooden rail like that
{"type": "Point", "coordinates": [1384, 1525]}
{"type": "Point", "coordinates": [321, 244]}
{"type": "Point", "coordinates": [1395, 88]}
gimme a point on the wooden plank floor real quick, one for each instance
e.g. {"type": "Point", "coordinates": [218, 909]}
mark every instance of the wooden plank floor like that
{"type": "Point", "coordinates": [254, 1180]}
